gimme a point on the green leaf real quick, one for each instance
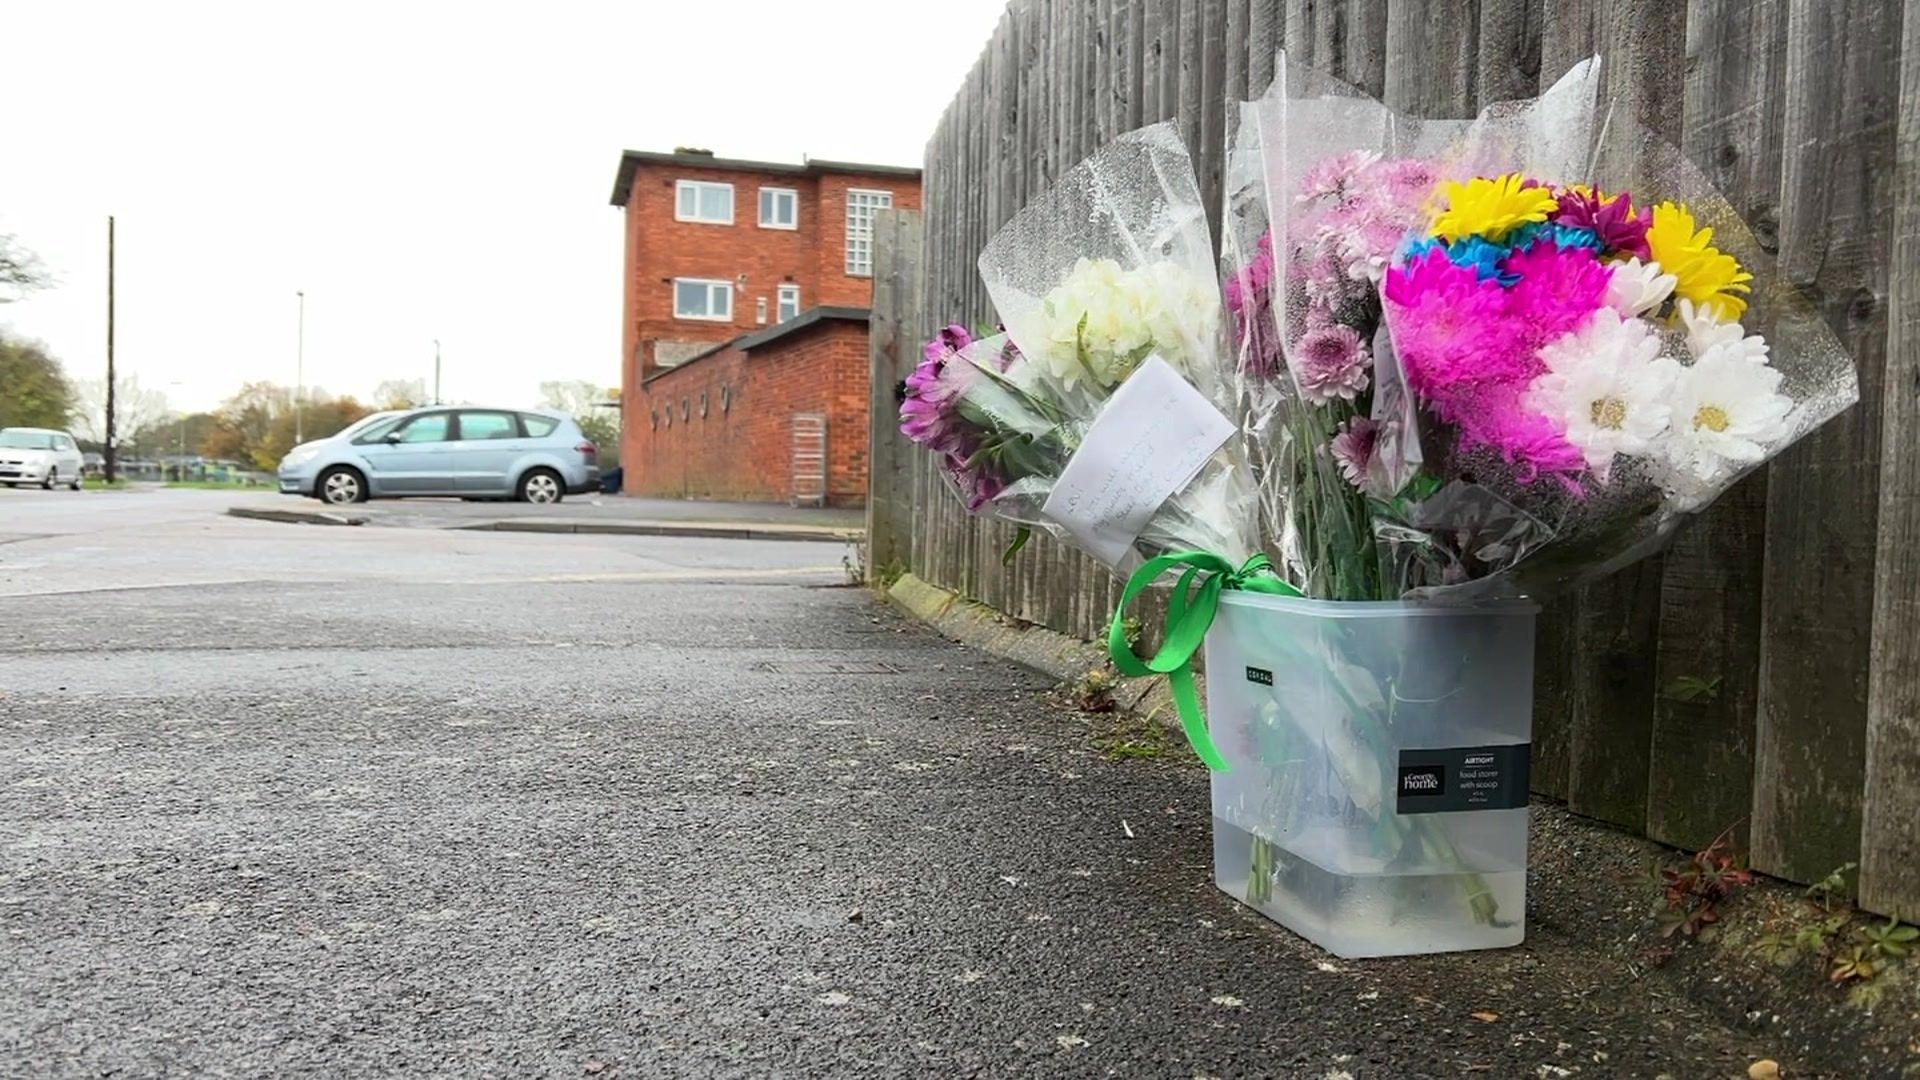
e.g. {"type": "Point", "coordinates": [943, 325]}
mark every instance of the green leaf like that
{"type": "Point", "coordinates": [1080, 351]}
{"type": "Point", "coordinates": [1422, 487]}
{"type": "Point", "coordinates": [1019, 541]}
{"type": "Point", "coordinates": [1691, 688]}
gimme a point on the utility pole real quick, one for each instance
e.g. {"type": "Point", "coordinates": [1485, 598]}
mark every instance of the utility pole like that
{"type": "Point", "coordinates": [436, 371]}
{"type": "Point", "coordinates": [111, 454]}
{"type": "Point", "coordinates": [300, 375]}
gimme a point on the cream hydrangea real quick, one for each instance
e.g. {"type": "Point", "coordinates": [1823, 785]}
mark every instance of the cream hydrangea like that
{"type": "Point", "coordinates": [1120, 316]}
{"type": "Point", "coordinates": [1608, 386]}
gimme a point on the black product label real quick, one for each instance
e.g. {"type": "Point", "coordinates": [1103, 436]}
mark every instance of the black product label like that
{"type": "Point", "coordinates": [1260, 675]}
{"type": "Point", "coordinates": [1463, 778]}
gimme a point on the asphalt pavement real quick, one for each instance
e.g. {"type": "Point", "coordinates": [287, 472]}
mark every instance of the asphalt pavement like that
{"type": "Point", "coordinates": [281, 800]}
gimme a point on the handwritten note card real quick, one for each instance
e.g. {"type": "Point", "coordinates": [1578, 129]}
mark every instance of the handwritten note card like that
{"type": "Point", "coordinates": [1152, 437]}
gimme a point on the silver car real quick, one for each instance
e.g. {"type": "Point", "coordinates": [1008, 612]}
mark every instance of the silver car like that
{"type": "Point", "coordinates": [39, 456]}
{"type": "Point", "coordinates": [531, 455]}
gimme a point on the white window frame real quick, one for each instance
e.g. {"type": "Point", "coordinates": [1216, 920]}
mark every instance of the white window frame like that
{"type": "Point", "coordinates": [712, 284]}
{"type": "Point", "coordinates": [783, 293]}
{"type": "Point", "coordinates": [682, 186]}
{"type": "Point", "coordinates": [793, 207]}
{"type": "Point", "coordinates": [860, 238]}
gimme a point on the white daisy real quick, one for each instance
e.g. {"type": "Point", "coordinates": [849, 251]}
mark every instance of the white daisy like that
{"type": "Point", "coordinates": [1608, 386]}
{"type": "Point", "coordinates": [1706, 332]}
{"type": "Point", "coordinates": [1636, 287]}
{"type": "Point", "coordinates": [1726, 410]}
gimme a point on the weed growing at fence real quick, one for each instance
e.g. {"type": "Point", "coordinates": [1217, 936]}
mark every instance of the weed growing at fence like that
{"type": "Point", "coordinates": [1693, 892]}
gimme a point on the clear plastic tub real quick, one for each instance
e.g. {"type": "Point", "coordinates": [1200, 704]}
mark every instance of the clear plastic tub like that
{"type": "Point", "coordinates": [1376, 803]}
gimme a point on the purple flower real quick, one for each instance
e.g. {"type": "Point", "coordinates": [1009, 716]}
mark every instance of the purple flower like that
{"type": "Point", "coordinates": [1611, 217]}
{"type": "Point", "coordinates": [978, 486]}
{"type": "Point", "coordinates": [1249, 294]}
{"type": "Point", "coordinates": [929, 414]}
{"type": "Point", "coordinates": [1353, 449]}
{"type": "Point", "coordinates": [1331, 362]}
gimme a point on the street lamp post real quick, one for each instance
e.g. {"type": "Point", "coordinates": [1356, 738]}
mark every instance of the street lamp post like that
{"type": "Point", "coordinates": [300, 374]}
{"type": "Point", "coordinates": [436, 371]}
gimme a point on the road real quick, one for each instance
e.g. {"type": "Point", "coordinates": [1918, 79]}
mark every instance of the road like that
{"type": "Point", "coordinates": [290, 800]}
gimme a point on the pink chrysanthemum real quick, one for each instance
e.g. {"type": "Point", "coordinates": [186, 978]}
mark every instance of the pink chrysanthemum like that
{"type": "Point", "coordinates": [1535, 445]}
{"type": "Point", "coordinates": [1353, 449]}
{"type": "Point", "coordinates": [1559, 289]}
{"type": "Point", "coordinates": [1409, 180]}
{"type": "Point", "coordinates": [1612, 217]}
{"type": "Point", "coordinates": [1331, 362]}
{"type": "Point", "coordinates": [1446, 327]}
{"type": "Point", "coordinates": [1331, 176]}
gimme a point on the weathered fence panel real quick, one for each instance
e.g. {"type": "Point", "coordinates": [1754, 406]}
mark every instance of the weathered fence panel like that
{"type": "Point", "coordinates": [1797, 599]}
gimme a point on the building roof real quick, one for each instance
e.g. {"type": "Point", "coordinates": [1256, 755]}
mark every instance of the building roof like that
{"type": "Point", "coordinates": [798, 323]}
{"type": "Point", "coordinates": [630, 160]}
{"type": "Point", "coordinates": [757, 339]}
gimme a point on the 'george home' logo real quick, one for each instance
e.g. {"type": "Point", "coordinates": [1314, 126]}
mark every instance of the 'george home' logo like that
{"type": "Point", "coordinates": [1422, 780]}
{"type": "Point", "coordinates": [1260, 675]}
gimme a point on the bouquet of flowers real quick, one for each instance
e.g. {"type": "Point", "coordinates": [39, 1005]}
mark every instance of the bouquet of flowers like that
{"type": "Point", "coordinates": [1500, 357]}
{"type": "Point", "coordinates": [1476, 361]}
{"type": "Point", "coordinates": [1096, 414]}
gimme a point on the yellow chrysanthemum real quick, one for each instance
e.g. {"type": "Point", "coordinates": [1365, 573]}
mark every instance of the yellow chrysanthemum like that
{"type": "Point", "coordinates": [1709, 277]}
{"type": "Point", "coordinates": [1490, 208]}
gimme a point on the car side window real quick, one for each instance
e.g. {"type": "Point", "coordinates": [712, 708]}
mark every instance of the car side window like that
{"type": "Point", "coordinates": [422, 429]}
{"type": "Point", "coordinates": [488, 425]}
{"type": "Point", "coordinates": [64, 442]}
{"type": "Point", "coordinates": [539, 427]}
{"type": "Point", "coordinates": [377, 432]}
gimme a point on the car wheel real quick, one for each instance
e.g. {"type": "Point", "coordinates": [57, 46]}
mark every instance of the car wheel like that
{"type": "Point", "coordinates": [541, 486]}
{"type": "Point", "coordinates": [53, 477]}
{"type": "Point", "coordinates": [340, 486]}
{"type": "Point", "coordinates": [74, 484]}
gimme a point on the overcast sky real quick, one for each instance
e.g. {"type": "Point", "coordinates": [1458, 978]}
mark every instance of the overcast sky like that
{"type": "Point", "coordinates": [421, 170]}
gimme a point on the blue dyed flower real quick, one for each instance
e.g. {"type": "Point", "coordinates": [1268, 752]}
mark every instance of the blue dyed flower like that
{"type": "Point", "coordinates": [1484, 257]}
{"type": "Point", "coordinates": [1562, 236]}
{"type": "Point", "coordinates": [1415, 248]}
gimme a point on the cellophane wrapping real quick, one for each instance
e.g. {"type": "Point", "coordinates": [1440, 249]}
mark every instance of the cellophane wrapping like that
{"type": "Point", "coordinates": [1108, 273]}
{"type": "Point", "coordinates": [1461, 365]}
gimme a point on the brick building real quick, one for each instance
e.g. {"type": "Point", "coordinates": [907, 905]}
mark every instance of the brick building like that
{"type": "Point", "coordinates": [744, 324]}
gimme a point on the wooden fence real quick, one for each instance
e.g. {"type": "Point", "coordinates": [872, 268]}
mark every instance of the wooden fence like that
{"type": "Point", "coordinates": [1797, 597]}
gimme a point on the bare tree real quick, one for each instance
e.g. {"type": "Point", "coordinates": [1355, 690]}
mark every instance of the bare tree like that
{"type": "Point", "coordinates": [20, 270]}
{"type": "Point", "coordinates": [595, 408]}
{"type": "Point", "coordinates": [400, 394]}
{"type": "Point", "coordinates": [134, 409]}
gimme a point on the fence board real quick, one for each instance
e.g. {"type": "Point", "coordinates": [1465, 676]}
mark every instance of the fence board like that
{"type": "Point", "coordinates": [1364, 61]}
{"type": "Point", "coordinates": [1842, 78]}
{"type": "Point", "coordinates": [1890, 833]}
{"type": "Point", "coordinates": [1618, 621]}
{"type": "Point", "coordinates": [1263, 40]}
{"type": "Point", "coordinates": [1701, 777]}
{"type": "Point", "coordinates": [1432, 49]}
{"type": "Point", "coordinates": [1792, 106]}
{"type": "Point", "coordinates": [1509, 50]}
{"type": "Point", "coordinates": [890, 358]}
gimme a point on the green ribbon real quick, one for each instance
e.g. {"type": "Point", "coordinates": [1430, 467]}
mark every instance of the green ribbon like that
{"type": "Point", "coordinates": [1190, 613]}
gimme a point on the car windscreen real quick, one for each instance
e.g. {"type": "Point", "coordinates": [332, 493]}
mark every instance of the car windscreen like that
{"type": "Point", "coordinates": [368, 421]}
{"type": "Point", "coordinates": [25, 440]}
